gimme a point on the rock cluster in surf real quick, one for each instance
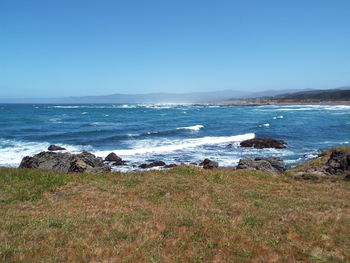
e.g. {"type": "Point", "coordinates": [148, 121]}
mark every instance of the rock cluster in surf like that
{"type": "Point", "coordinates": [261, 143]}
{"type": "Point", "coordinates": [65, 162]}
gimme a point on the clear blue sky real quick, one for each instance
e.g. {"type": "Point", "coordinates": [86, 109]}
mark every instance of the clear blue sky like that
{"type": "Point", "coordinates": [83, 47]}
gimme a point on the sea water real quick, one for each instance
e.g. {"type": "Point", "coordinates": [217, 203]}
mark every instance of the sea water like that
{"type": "Point", "coordinates": [171, 133]}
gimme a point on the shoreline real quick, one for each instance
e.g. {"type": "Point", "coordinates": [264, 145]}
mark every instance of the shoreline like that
{"type": "Point", "coordinates": [273, 103]}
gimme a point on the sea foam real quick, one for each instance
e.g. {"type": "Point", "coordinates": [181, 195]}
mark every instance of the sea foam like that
{"type": "Point", "coordinates": [175, 145]}
{"type": "Point", "coordinates": [12, 151]}
{"type": "Point", "coordinates": [192, 128]}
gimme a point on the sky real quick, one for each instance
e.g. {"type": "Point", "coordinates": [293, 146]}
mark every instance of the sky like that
{"type": "Point", "coordinates": [83, 47]}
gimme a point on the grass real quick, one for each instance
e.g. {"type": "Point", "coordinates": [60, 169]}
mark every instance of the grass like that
{"type": "Point", "coordinates": [181, 215]}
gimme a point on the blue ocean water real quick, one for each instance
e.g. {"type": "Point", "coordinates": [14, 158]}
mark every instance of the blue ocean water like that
{"type": "Point", "coordinates": [172, 133]}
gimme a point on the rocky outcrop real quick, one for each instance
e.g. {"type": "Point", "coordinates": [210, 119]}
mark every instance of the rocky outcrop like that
{"type": "Point", "coordinates": [338, 162]}
{"type": "Point", "coordinates": [55, 148]}
{"type": "Point", "coordinates": [152, 164]}
{"type": "Point", "coordinates": [65, 162]}
{"type": "Point", "coordinates": [209, 164]}
{"type": "Point", "coordinates": [261, 143]}
{"type": "Point", "coordinates": [271, 164]}
{"type": "Point", "coordinates": [112, 157]}
{"type": "Point", "coordinates": [172, 165]}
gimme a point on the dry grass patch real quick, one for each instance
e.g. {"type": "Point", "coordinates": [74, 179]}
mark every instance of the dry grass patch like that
{"type": "Point", "coordinates": [181, 215]}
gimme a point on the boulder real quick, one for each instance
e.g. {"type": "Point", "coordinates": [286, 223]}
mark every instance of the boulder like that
{"type": "Point", "coordinates": [271, 164]}
{"type": "Point", "coordinates": [55, 148]}
{"type": "Point", "coordinates": [338, 162]}
{"type": "Point", "coordinates": [65, 162]}
{"type": "Point", "coordinates": [261, 143]}
{"type": "Point", "coordinates": [152, 164]}
{"type": "Point", "coordinates": [209, 164]}
{"type": "Point", "coordinates": [112, 157]}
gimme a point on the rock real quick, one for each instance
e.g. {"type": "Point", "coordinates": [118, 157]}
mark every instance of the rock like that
{"type": "Point", "coordinates": [275, 162]}
{"type": "Point", "coordinates": [112, 157]}
{"type": "Point", "coordinates": [347, 178]}
{"type": "Point", "coordinates": [338, 162]}
{"type": "Point", "coordinates": [78, 166]}
{"type": "Point", "coordinates": [55, 148]}
{"type": "Point", "coordinates": [170, 165]}
{"type": "Point", "coordinates": [119, 163]}
{"type": "Point", "coordinates": [65, 162]}
{"type": "Point", "coordinates": [209, 164]}
{"type": "Point", "coordinates": [261, 143]}
{"type": "Point", "coordinates": [152, 164]}
{"type": "Point", "coordinates": [271, 164]}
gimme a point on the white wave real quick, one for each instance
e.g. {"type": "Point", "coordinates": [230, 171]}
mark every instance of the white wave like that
{"type": "Point", "coordinates": [55, 120]}
{"type": "Point", "coordinates": [265, 125]}
{"type": "Point", "coordinates": [133, 135]}
{"type": "Point", "coordinates": [12, 151]}
{"type": "Point", "coordinates": [295, 109]}
{"type": "Point", "coordinates": [149, 133]}
{"type": "Point", "coordinates": [278, 117]}
{"type": "Point", "coordinates": [313, 107]}
{"type": "Point", "coordinates": [175, 145]}
{"type": "Point", "coordinates": [83, 113]}
{"type": "Point", "coordinates": [192, 128]}
{"type": "Point", "coordinates": [101, 123]}
{"type": "Point", "coordinates": [65, 107]}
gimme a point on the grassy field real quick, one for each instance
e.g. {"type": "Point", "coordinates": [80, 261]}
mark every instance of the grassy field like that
{"type": "Point", "coordinates": [185, 214]}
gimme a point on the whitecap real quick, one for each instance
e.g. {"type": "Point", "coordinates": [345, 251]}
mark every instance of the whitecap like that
{"type": "Point", "coordinates": [12, 151]}
{"type": "Point", "coordinates": [64, 107]}
{"type": "Point", "coordinates": [192, 128]}
{"type": "Point", "coordinates": [278, 117]}
{"type": "Point", "coordinates": [101, 123]}
{"type": "Point", "coordinates": [175, 145]}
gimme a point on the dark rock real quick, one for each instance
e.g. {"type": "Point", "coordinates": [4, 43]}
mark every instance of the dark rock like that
{"type": "Point", "coordinates": [209, 164]}
{"type": "Point", "coordinates": [65, 162]}
{"type": "Point", "coordinates": [338, 162]}
{"type": "Point", "coordinates": [170, 165]}
{"type": "Point", "coordinates": [55, 148]}
{"type": "Point", "coordinates": [347, 178]}
{"type": "Point", "coordinates": [153, 164]}
{"type": "Point", "coordinates": [112, 157]}
{"type": "Point", "coordinates": [261, 143]}
{"type": "Point", "coordinates": [119, 163]}
{"type": "Point", "coordinates": [275, 162]}
{"type": "Point", "coordinates": [271, 164]}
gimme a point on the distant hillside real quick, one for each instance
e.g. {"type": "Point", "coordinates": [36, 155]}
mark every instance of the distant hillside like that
{"type": "Point", "coordinates": [342, 94]}
{"type": "Point", "coordinates": [148, 98]}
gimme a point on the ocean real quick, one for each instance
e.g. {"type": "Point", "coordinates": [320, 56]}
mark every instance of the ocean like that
{"type": "Point", "coordinates": [171, 133]}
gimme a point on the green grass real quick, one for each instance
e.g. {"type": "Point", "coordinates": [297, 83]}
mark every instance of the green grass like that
{"type": "Point", "coordinates": [181, 215]}
{"type": "Point", "coordinates": [28, 185]}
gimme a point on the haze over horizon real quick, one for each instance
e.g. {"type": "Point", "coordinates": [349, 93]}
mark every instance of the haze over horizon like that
{"type": "Point", "coordinates": [90, 48]}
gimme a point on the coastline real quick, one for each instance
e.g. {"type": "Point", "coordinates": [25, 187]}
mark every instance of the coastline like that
{"type": "Point", "coordinates": [185, 214]}
{"type": "Point", "coordinates": [273, 103]}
